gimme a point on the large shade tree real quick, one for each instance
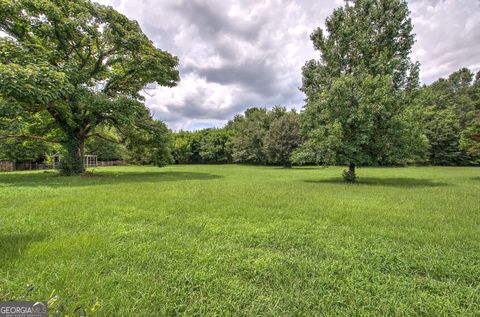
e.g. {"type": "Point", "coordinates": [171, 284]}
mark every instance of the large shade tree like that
{"type": "Point", "coordinates": [359, 91]}
{"type": "Point", "coordinates": [84, 66]}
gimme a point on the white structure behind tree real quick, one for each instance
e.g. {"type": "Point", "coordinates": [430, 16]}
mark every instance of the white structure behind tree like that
{"type": "Point", "coordinates": [88, 160]}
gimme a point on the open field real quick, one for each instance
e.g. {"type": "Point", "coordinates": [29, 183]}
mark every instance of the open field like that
{"type": "Point", "coordinates": [243, 240]}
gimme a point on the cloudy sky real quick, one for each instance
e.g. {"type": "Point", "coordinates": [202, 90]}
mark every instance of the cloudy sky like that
{"type": "Point", "coordinates": [240, 53]}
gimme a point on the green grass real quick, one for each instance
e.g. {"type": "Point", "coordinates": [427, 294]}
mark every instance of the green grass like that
{"type": "Point", "coordinates": [240, 240]}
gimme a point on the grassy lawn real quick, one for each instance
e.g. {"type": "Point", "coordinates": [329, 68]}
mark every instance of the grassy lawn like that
{"type": "Point", "coordinates": [241, 240]}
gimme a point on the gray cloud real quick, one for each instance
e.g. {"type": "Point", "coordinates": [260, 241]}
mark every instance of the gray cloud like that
{"type": "Point", "coordinates": [240, 53]}
{"type": "Point", "coordinates": [253, 74]}
{"type": "Point", "coordinates": [211, 20]}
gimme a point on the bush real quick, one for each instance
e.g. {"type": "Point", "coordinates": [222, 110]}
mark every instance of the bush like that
{"type": "Point", "coordinates": [349, 176]}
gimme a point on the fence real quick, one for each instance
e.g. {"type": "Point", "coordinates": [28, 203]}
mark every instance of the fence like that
{"type": "Point", "coordinates": [29, 166]}
{"type": "Point", "coordinates": [111, 163]}
{"type": "Point", "coordinates": [6, 166]}
{"type": "Point", "coordinates": [88, 161]}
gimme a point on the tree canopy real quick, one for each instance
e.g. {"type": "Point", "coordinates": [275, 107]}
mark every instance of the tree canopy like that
{"type": "Point", "coordinates": [80, 66]}
{"type": "Point", "coordinates": [211, 145]}
{"type": "Point", "coordinates": [359, 91]}
{"type": "Point", "coordinates": [450, 111]}
{"type": "Point", "coordinates": [282, 138]}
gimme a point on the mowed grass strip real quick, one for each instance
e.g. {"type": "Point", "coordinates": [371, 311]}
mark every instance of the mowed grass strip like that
{"type": "Point", "coordinates": [243, 240]}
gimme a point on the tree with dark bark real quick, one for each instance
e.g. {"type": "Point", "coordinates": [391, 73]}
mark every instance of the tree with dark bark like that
{"type": "Point", "coordinates": [83, 65]}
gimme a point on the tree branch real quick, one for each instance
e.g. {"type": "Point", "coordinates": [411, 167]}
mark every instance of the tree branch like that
{"type": "Point", "coordinates": [28, 137]}
{"type": "Point", "coordinates": [98, 135]}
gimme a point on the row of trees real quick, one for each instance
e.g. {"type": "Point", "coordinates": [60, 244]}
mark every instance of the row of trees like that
{"type": "Point", "coordinates": [450, 113]}
{"type": "Point", "coordinates": [72, 73]}
{"type": "Point", "coordinates": [203, 146]}
{"type": "Point", "coordinates": [259, 136]}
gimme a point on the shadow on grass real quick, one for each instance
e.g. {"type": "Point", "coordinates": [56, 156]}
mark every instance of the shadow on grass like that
{"type": "Point", "coordinates": [299, 168]}
{"type": "Point", "coordinates": [13, 245]}
{"type": "Point", "coordinates": [99, 178]}
{"type": "Point", "coordinates": [389, 182]}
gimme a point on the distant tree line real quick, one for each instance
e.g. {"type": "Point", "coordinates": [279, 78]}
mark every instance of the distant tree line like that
{"type": "Point", "coordinates": [450, 115]}
{"type": "Point", "coordinates": [259, 136]}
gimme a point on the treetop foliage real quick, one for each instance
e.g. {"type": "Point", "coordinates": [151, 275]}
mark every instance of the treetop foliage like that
{"type": "Point", "coordinates": [368, 38]}
{"type": "Point", "coordinates": [358, 92]}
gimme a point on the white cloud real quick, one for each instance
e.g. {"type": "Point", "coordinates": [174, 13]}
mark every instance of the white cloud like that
{"type": "Point", "coordinates": [193, 101]}
{"type": "Point", "coordinates": [240, 53]}
{"type": "Point", "coordinates": [448, 36]}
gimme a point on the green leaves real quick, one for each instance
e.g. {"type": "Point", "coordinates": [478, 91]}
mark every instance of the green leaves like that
{"type": "Point", "coordinates": [204, 146]}
{"type": "Point", "coordinates": [369, 37]}
{"type": "Point", "coordinates": [149, 142]}
{"type": "Point", "coordinates": [215, 146]}
{"type": "Point", "coordinates": [470, 138]}
{"type": "Point", "coordinates": [33, 84]}
{"type": "Point", "coordinates": [450, 114]}
{"type": "Point", "coordinates": [84, 63]}
{"type": "Point", "coordinates": [358, 92]}
{"type": "Point", "coordinates": [249, 135]}
{"type": "Point", "coordinates": [282, 138]}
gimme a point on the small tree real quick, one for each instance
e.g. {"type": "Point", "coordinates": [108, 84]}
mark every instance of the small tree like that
{"type": "Point", "coordinates": [358, 93]}
{"type": "Point", "coordinates": [282, 139]}
{"type": "Point", "coordinates": [83, 65]}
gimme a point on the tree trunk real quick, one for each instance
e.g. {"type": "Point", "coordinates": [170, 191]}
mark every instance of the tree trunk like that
{"type": "Point", "coordinates": [287, 164]}
{"type": "Point", "coordinates": [80, 154]}
{"type": "Point", "coordinates": [351, 168]}
{"type": "Point", "coordinates": [349, 175]}
{"type": "Point", "coordinates": [72, 163]}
